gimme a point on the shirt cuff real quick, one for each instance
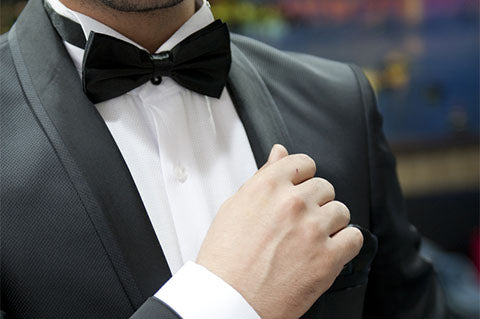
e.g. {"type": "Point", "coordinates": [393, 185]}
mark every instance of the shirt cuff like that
{"type": "Point", "coordinates": [196, 293]}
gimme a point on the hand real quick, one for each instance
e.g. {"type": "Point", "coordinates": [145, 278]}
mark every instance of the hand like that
{"type": "Point", "coordinates": [281, 240]}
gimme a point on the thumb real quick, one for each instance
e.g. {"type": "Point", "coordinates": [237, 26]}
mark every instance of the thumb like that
{"type": "Point", "coordinates": [278, 152]}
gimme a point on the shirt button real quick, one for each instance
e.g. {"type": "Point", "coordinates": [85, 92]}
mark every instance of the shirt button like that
{"type": "Point", "coordinates": [180, 174]}
{"type": "Point", "coordinates": [156, 80]}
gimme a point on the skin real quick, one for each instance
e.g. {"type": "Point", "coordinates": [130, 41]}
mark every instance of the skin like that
{"type": "Point", "coordinates": [147, 22]}
{"type": "Point", "coordinates": [282, 239]}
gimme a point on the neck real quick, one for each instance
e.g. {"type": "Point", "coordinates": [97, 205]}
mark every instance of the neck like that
{"type": "Point", "coordinates": [149, 29]}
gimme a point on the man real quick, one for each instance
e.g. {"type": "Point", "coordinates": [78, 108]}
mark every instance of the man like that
{"type": "Point", "coordinates": [132, 131]}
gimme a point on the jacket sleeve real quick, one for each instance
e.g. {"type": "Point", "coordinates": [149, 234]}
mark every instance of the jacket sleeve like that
{"type": "Point", "coordinates": [401, 283]}
{"type": "Point", "coordinates": [154, 308]}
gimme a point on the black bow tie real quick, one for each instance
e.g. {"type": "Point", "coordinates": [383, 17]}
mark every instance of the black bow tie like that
{"type": "Point", "coordinates": [112, 67]}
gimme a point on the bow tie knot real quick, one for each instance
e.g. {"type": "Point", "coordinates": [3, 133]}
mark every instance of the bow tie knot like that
{"type": "Point", "coordinates": [162, 65]}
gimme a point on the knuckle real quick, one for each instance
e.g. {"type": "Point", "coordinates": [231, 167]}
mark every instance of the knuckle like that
{"type": "Point", "coordinates": [295, 204]}
{"type": "Point", "coordinates": [325, 186]}
{"type": "Point", "coordinates": [360, 238]}
{"type": "Point", "coordinates": [331, 189]}
{"type": "Point", "coordinates": [307, 161]}
{"type": "Point", "coordinates": [357, 239]}
{"type": "Point", "coordinates": [267, 182]}
{"type": "Point", "coordinates": [343, 211]}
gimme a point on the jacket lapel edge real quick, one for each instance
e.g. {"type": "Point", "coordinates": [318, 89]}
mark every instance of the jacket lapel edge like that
{"type": "Point", "coordinates": [256, 107]}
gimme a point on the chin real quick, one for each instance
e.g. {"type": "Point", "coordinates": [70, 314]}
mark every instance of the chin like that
{"type": "Point", "coordinates": [140, 5]}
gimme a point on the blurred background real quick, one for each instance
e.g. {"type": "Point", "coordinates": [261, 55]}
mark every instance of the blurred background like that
{"type": "Point", "coordinates": [422, 58]}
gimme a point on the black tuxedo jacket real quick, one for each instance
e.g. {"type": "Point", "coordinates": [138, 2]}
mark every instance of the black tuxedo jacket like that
{"type": "Point", "coordinates": [76, 240]}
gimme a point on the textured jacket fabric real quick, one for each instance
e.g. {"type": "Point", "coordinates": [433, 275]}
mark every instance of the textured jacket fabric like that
{"type": "Point", "coordinates": [76, 241]}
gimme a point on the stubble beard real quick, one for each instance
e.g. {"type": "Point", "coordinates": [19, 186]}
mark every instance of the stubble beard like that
{"type": "Point", "coordinates": [140, 5]}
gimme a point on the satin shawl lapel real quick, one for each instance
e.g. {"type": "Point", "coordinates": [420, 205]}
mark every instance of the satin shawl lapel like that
{"type": "Point", "coordinates": [88, 152]}
{"type": "Point", "coordinates": [256, 108]}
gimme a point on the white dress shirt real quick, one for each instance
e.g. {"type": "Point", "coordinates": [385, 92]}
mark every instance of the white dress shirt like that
{"type": "Point", "coordinates": [187, 153]}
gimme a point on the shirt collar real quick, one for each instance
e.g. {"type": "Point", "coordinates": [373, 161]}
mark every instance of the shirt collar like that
{"type": "Point", "coordinates": [202, 17]}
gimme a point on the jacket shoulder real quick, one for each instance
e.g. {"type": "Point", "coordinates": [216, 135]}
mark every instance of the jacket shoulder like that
{"type": "Point", "coordinates": [307, 88]}
{"type": "Point", "coordinates": [299, 71]}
